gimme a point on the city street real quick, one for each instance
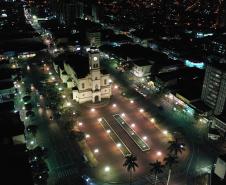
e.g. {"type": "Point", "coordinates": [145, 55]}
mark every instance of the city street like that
{"type": "Point", "coordinates": [64, 156]}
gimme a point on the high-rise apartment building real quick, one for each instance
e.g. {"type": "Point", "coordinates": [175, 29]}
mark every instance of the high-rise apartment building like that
{"type": "Point", "coordinates": [214, 87]}
{"type": "Point", "coordinates": [68, 11]}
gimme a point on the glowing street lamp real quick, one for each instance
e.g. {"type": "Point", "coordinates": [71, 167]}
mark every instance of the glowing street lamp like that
{"type": "Point", "coordinates": [152, 120]}
{"type": "Point", "coordinates": [96, 150]}
{"type": "Point", "coordinates": [165, 132]}
{"type": "Point", "coordinates": [68, 104]}
{"type": "Point", "coordinates": [119, 145]}
{"type": "Point", "coordinates": [145, 138]}
{"type": "Point", "coordinates": [116, 87]}
{"type": "Point", "coordinates": [133, 125]}
{"type": "Point", "coordinates": [114, 105]}
{"type": "Point", "coordinates": [158, 153]}
{"type": "Point", "coordinates": [107, 169]}
{"type": "Point", "coordinates": [80, 123]}
{"type": "Point", "coordinates": [131, 101]}
{"type": "Point", "coordinates": [108, 131]}
{"type": "Point", "coordinates": [123, 115]}
{"type": "Point", "coordinates": [141, 110]}
{"type": "Point", "coordinates": [92, 110]}
{"type": "Point", "coordinates": [63, 96]}
{"type": "Point", "coordinates": [99, 119]}
{"type": "Point", "coordinates": [87, 136]}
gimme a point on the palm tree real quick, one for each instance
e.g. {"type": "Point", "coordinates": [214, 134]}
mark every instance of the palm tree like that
{"type": "Point", "coordinates": [170, 160]}
{"type": "Point", "coordinates": [176, 147]}
{"type": "Point", "coordinates": [131, 165]}
{"type": "Point", "coordinates": [156, 168]}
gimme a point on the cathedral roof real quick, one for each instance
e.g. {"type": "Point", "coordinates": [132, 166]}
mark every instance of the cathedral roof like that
{"type": "Point", "coordinates": [79, 63]}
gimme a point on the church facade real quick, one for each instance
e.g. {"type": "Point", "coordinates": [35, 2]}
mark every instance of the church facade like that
{"type": "Point", "coordinates": [86, 79]}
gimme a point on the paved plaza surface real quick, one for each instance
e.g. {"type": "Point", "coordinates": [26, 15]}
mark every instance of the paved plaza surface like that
{"type": "Point", "coordinates": [108, 149]}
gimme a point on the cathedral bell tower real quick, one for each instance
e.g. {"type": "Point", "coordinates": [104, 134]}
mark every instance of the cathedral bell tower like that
{"type": "Point", "coordinates": [94, 66]}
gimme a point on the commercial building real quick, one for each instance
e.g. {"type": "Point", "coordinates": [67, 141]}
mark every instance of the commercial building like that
{"type": "Point", "coordinates": [220, 169]}
{"type": "Point", "coordinates": [141, 68]}
{"type": "Point", "coordinates": [94, 38]}
{"type": "Point", "coordinates": [214, 87]}
{"type": "Point", "coordinates": [68, 11]}
{"type": "Point", "coordinates": [88, 82]}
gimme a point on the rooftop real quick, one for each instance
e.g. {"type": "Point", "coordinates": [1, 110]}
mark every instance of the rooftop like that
{"type": "Point", "coordinates": [79, 63]}
{"type": "Point", "coordinates": [142, 62]}
{"type": "Point", "coordinates": [6, 85]}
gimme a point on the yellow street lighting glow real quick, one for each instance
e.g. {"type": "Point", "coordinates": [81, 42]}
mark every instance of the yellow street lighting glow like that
{"type": "Point", "coordinates": [53, 78]}
{"type": "Point", "coordinates": [108, 131]}
{"type": "Point", "coordinates": [165, 132]}
{"type": "Point", "coordinates": [131, 101]}
{"type": "Point", "coordinates": [119, 145]}
{"type": "Point", "coordinates": [87, 136]}
{"type": "Point", "coordinates": [145, 138]}
{"type": "Point", "coordinates": [158, 153]}
{"type": "Point", "coordinates": [92, 110]}
{"type": "Point", "coordinates": [114, 105]}
{"type": "Point", "coordinates": [80, 123]}
{"type": "Point", "coordinates": [96, 150]}
{"type": "Point", "coordinates": [99, 119]}
{"type": "Point", "coordinates": [133, 125]}
{"type": "Point", "coordinates": [68, 104]}
{"type": "Point", "coordinates": [123, 115]}
{"type": "Point", "coordinates": [152, 120]}
{"type": "Point", "coordinates": [116, 87]}
{"type": "Point", "coordinates": [141, 110]}
{"type": "Point", "coordinates": [63, 96]}
{"type": "Point", "coordinates": [107, 169]}
{"type": "Point", "coordinates": [47, 68]}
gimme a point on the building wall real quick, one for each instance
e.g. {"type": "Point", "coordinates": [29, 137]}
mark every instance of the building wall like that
{"type": "Point", "coordinates": [214, 89]}
{"type": "Point", "coordinates": [141, 71]}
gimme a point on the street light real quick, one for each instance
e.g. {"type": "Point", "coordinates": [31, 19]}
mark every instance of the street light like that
{"type": "Point", "coordinates": [116, 87]}
{"type": "Point", "coordinates": [158, 153]}
{"type": "Point", "coordinates": [92, 110]}
{"type": "Point", "coordinates": [114, 105]}
{"type": "Point", "coordinates": [145, 138]}
{"type": "Point", "coordinates": [63, 96]}
{"type": "Point", "coordinates": [108, 131]}
{"type": "Point", "coordinates": [133, 125]}
{"type": "Point", "coordinates": [165, 132]}
{"type": "Point", "coordinates": [107, 169]}
{"type": "Point", "coordinates": [99, 119]}
{"type": "Point", "coordinates": [141, 110]}
{"type": "Point", "coordinates": [131, 101]}
{"type": "Point", "coordinates": [87, 136]}
{"type": "Point", "coordinates": [152, 120]}
{"type": "Point", "coordinates": [68, 104]}
{"type": "Point", "coordinates": [96, 150]}
{"type": "Point", "coordinates": [80, 123]}
{"type": "Point", "coordinates": [119, 145]}
{"type": "Point", "coordinates": [123, 115]}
